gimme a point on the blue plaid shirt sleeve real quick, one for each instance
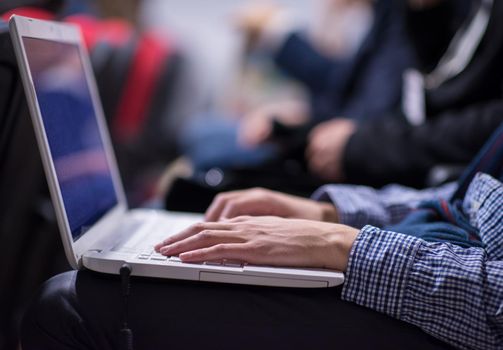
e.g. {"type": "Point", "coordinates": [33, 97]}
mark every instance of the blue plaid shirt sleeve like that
{"type": "Point", "coordinates": [452, 293]}
{"type": "Point", "coordinates": [358, 206]}
{"type": "Point", "coordinates": [483, 203]}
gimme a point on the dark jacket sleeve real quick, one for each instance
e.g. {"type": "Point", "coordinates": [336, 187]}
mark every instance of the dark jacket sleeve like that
{"type": "Point", "coordinates": [391, 150]}
{"type": "Point", "coordinates": [431, 30]}
{"type": "Point", "coordinates": [302, 61]}
{"type": "Point", "coordinates": [353, 86]}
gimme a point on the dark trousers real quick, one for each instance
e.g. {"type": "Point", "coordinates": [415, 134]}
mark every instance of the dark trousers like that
{"type": "Point", "coordinates": [83, 310]}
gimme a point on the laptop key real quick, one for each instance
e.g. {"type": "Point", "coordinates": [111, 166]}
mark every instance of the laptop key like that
{"type": "Point", "coordinates": [233, 264]}
{"type": "Point", "coordinates": [158, 257]}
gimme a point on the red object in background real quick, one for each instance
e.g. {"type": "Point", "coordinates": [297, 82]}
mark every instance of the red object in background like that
{"type": "Point", "coordinates": [132, 68]}
{"type": "Point", "coordinates": [148, 62]}
{"type": "Point", "coordinates": [32, 12]}
{"type": "Point", "coordinates": [115, 32]}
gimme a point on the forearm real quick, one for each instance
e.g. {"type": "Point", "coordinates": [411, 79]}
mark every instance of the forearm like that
{"type": "Point", "coordinates": [449, 292]}
{"type": "Point", "coordinates": [390, 150]}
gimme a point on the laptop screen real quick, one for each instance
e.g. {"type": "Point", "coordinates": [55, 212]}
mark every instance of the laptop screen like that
{"type": "Point", "coordinates": [70, 122]}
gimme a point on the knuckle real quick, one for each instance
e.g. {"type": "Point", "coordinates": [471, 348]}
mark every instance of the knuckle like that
{"type": "Point", "coordinates": [200, 226]}
{"type": "Point", "coordinates": [221, 197]}
{"type": "Point", "coordinates": [259, 247]}
{"type": "Point", "coordinates": [205, 235]}
{"type": "Point", "coordinates": [261, 191]}
{"type": "Point", "coordinates": [231, 205]}
{"type": "Point", "coordinates": [259, 234]}
{"type": "Point", "coordinates": [220, 248]}
{"type": "Point", "coordinates": [257, 190]}
{"type": "Point", "coordinates": [241, 219]}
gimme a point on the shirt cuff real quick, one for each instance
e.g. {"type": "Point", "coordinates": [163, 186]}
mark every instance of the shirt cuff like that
{"type": "Point", "coordinates": [378, 269]}
{"type": "Point", "coordinates": [353, 205]}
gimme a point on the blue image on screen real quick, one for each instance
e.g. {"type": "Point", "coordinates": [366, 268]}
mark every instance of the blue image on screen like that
{"type": "Point", "coordinates": [76, 147]}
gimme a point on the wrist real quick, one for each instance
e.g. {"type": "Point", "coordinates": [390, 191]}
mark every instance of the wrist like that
{"type": "Point", "coordinates": [345, 246]}
{"type": "Point", "coordinates": [342, 239]}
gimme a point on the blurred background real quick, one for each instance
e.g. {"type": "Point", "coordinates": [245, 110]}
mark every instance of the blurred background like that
{"type": "Point", "coordinates": [209, 37]}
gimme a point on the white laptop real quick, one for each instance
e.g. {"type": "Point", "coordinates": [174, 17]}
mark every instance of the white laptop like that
{"type": "Point", "coordinates": [98, 230]}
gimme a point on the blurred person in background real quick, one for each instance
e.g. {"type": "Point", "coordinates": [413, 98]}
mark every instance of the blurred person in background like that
{"type": "Point", "coordinates": [341, 60]}
{"type": "Point", "coordinates": [449, 105]}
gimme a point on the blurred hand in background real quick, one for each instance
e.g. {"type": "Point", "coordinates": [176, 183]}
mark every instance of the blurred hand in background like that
{"type": "Point", "coordinates": [256, 126]}
{"type": "Point", "coordinates": [326, 145]}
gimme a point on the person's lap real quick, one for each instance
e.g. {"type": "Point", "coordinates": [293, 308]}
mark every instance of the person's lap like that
{"type": "Point", "coordinates": [84, 310]}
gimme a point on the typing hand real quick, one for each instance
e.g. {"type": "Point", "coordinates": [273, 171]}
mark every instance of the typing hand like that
{"type": "Point", "coordinates": [265, 241]}
{"type": "Point", "coordinates": [260, 202]}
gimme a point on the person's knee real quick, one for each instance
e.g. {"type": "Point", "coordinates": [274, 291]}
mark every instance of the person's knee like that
{"type": "Point", "coordinates": [50, 312]}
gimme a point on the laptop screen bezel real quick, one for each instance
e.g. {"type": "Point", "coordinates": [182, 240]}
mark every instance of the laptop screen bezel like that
{"type": "Point", "coordinates": [21, 27]}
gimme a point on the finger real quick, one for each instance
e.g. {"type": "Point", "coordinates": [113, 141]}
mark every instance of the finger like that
{"type": "Point", "coordinates": [190, 231]}
{"type": "Point", "coordinates": [238, 219]}
{"type": "Point", "coordinates": [255, 132]}
{"type": "Point", "coordinates": [245, 129]}
{"type": "Point", "coordinates": [260, 136]}
{"type": "Point", "coordinates": [203, 239]}
{"type": "Point", "coordinates": [228, 251]}
{"type": "Point", "coordinates": [231, 204]}
{"type": "Point", "coordinates": [249, 205]}
{"type": "Point", "coordinates": [230, 211]}
{"type": "Point", "coordinates": [214, 211]}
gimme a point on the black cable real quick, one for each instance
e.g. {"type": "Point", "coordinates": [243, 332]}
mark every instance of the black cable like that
{"type": "Point", "coordinates": [126, 333]}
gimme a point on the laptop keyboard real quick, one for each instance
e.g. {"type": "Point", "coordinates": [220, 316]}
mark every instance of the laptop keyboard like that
{"type": "Point", "coordinates": [157, 257]}
{"type": "Point", "coordinates": [142, 245]}
{"type": "Point", "coordinates": [154, 256]}
{"type": "Point", "coordinates": [141, 235]}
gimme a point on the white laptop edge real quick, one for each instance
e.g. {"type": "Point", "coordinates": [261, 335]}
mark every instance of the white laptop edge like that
{"type": "Point", "coordinates": [26, 27]}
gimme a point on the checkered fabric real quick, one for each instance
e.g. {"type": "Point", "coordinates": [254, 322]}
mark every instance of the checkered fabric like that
{"type": "Point", "coordinates": [358, 206]}
{"type": "Point", "coordinates": [452, 293]}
